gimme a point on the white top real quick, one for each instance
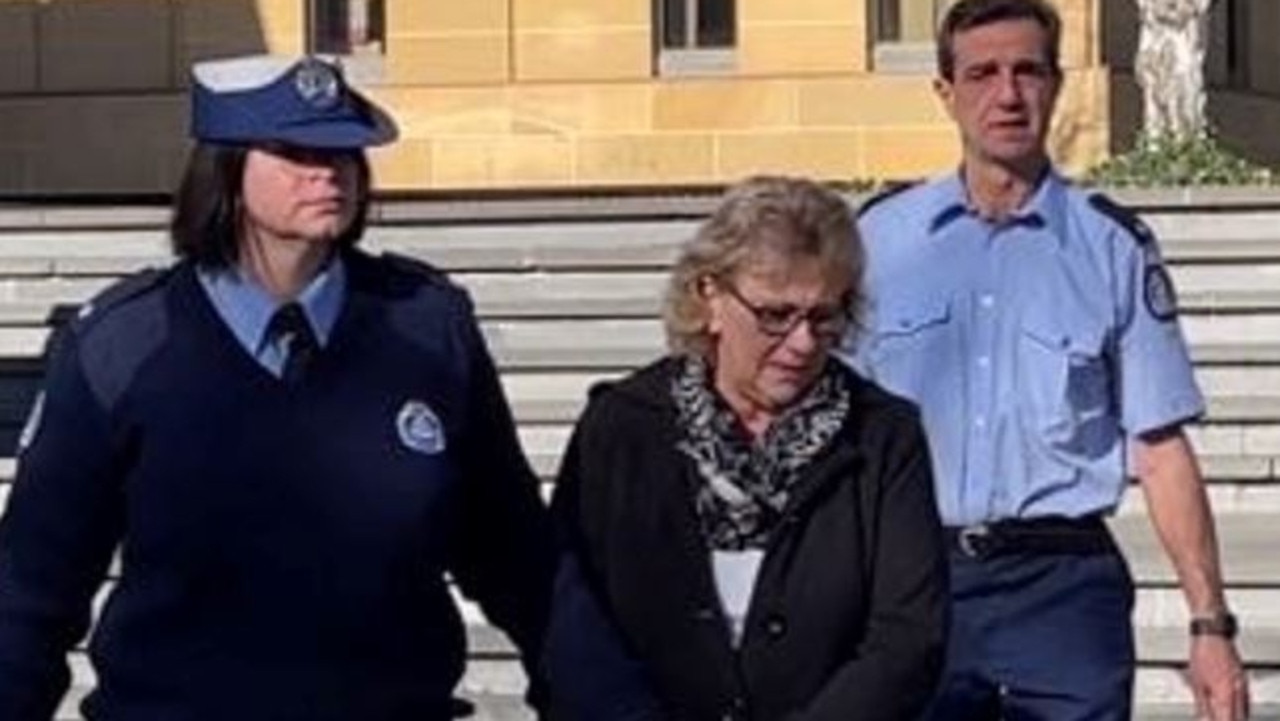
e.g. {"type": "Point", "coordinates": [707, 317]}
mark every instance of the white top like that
{"type": "Point", "coordinates": [735, 576]}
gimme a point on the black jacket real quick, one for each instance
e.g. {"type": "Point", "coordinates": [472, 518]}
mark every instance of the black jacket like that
{"type": "Point", "coordinates": [848, 617]}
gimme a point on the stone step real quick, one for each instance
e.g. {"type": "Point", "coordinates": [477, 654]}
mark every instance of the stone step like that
{"type": "Point", "coordinates": [1255, 352]}
{"type": "Point", "coordinates": [1213, 234]}
{"type": "Point", "coordinates": [1239, 380]}
{"type": "Point", "coordinates": [1258, 647]}
{"type": "Point", "coordinates": [1163, 690]}
{"type": "Point", "coordinates": [563, 295]}
{"type": "Point", "coordinates": [1248, 544]}
{"type": "Point", "coordinates": [1236, 440]}
{"type": "Point", "coordinates": [1228, 498]}
{"type": "Point", "coordinates": [1244, 409]}
{"type": "Point", "coordinates": [1183, 712]}
{"type": "Point", "coordinates": [1233, 276]}
{"type": "Point", "coordinates": [560, 245]}
{"type": "Point", "coordinates": [1209, 250]}
{"type": "Point", "coordinates": [1165, 607]}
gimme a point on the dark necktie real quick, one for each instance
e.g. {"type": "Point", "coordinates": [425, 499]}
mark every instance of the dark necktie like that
{"type": "Point", "coordinates": [290, 327]}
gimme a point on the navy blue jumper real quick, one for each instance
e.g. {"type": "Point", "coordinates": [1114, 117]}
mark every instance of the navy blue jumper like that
{"type": "Point", "coordinates": [283, 549]}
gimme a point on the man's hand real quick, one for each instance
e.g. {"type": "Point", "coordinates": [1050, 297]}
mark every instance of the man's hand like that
{"type": "Point", "coordinates": [1217, 679]}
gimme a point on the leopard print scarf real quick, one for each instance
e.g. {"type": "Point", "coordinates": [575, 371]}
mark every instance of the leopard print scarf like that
{"type": "Point", "coordinates": [743, 487]}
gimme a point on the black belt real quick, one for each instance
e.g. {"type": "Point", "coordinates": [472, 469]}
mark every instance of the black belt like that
{"type": "Point", "coordinates": [1050, 534]}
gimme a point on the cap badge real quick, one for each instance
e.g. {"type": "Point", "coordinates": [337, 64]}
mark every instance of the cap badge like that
{"type": "Point", "coordinates": [419, 428]}
{"type": "Point", "coordinates": [317, 83]}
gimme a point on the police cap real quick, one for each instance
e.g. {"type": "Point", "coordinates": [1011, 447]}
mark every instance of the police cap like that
{"type": "Point", "coordinates": [297, 101]}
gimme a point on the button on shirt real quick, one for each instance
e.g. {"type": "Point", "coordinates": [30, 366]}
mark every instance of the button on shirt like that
{"type": "Point", "coordinates": [246, 307]}
{"type": "Point", "coordinates": [1033, 346]}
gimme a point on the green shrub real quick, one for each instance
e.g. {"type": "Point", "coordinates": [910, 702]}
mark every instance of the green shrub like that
{"type": "Point", "coordinates": [1175, 161]}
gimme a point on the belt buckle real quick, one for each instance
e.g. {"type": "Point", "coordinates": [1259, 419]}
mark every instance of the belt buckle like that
{"type": "Point", "coordinates": [974, 541]}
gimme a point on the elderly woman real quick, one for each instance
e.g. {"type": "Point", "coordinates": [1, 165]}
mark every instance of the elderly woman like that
{"type": "Point", "coordinates": [290, 441]}
{"type": "Point", "coordinates": [748, 527]}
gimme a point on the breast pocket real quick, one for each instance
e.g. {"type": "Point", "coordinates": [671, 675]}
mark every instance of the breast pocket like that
{"type": "Point", "coordinates": [908, 338]}
{"type": "Point", "coordinates": [1064, 385]}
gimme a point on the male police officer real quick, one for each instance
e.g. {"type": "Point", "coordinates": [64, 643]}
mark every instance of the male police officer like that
{"type": "Point", "coordinates": [1035, 325]}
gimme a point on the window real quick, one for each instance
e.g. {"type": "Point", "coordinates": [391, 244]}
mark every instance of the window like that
{"type": "Point", "coordinates": [1236, 20]}
{"type": "Point", "coordinates": [354, 31]}
{"type": "Point", "coordinates": [695, 37]}
{"type": "Point", "coordinates": [904, 34]}
{"type": "Point", "coordinates": [347, 27]}
{"type": "Point", "coordinates": [1227, 59]}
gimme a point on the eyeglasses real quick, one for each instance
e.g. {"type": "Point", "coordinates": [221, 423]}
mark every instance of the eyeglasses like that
{"type": "Point", "coordinates": [827, 322]}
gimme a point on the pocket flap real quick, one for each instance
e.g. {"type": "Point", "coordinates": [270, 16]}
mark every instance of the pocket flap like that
{"type": "Point", "coordinates": [905, 317]}
{"type": "Point", "coordinates": [1056, 335]}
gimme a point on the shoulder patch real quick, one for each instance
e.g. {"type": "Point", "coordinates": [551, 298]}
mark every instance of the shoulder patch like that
{"type": "Point", "coordinates": [117, 294]}
{"type": "Point", "coordinates": [1158, 293]}
{"type": "Point", "coordinates": [119, 329]}
{"type": "Point", "coordinates": [1129, 220]}
{"type": "Point", "coordinates": [889, 191]}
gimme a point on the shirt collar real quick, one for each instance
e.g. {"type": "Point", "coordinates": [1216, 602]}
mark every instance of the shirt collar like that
{"type": "Point", "coordinates": [1046, 208]}
{"type": "Point", "coordinates": [248, 307]}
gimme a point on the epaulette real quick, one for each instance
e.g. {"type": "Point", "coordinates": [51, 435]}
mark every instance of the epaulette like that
{"type": "Point", "coordinates": [599, 388]}
{"type": "Point", "coordinates": [1129, 220]}
{"type": "Point", "coordinates": [119, 293]}
{"type": "Point", "coordinates": [888, 191]}
{"type": "Point", "coordinates": [418, 268]}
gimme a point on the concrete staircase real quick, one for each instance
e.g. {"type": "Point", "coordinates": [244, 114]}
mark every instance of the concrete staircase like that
{"type": "Point", "coordinates": [568, 293]}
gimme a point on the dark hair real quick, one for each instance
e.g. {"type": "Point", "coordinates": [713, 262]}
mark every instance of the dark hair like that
{"type": "Point", "coordinates": [970, 14]}
{"type": "Point", "coordinates": [205, 225]}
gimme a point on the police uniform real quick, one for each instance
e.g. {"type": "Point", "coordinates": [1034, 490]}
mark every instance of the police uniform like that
{"type": "Point", "coordinates": [1038, 348]}
{"type": "Point", "coordinates": [284, 544]}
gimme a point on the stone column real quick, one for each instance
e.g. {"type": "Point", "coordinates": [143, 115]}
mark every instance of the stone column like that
{"type": "Point", "coordinates": [1170, 66]}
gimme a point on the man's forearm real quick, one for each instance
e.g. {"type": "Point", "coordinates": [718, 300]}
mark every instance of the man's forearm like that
{"type": "Point", "coordinates": [1179, 510]}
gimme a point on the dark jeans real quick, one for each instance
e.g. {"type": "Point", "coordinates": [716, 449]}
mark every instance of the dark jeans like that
{"type": "Point", "coordinates": [1045, 637]}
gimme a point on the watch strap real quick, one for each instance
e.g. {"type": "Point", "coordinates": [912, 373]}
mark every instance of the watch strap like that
{"type": "Point", "coordinates": [1222, 624]}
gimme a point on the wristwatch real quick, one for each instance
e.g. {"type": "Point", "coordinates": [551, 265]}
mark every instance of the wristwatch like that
{"type": "Point", "coordinates": [1222, 623]}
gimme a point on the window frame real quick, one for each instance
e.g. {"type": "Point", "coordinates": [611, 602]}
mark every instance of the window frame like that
{"type": "Point", "coordinates": [363, 64]}
{"type": "Point", "coordinates": [691, 59]}
{"type": "Point", "coordinates": [890, 52]}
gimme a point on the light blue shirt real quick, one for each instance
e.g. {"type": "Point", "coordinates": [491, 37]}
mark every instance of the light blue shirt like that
{"type": "Point", "coordinates": [246, 307]}
{"type": "Point", "coordinates": [1037, 348]}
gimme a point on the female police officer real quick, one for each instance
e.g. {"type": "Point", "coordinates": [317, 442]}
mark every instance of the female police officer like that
{"type": "Point", "coordinates": [290, 442]}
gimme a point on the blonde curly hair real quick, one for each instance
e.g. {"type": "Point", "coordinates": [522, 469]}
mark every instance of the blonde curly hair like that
{"type": "Point", "coordinates": [791, 217]}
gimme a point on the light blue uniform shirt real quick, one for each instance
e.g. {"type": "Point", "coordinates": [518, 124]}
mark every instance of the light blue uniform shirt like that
{"type": "Point", "coordinates": [246, 307]}
{"type": "Point", "coordinates": [1036, 347]}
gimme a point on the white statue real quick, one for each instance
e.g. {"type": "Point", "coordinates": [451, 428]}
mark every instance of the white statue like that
{"type": "Point", "coordinates": [1170, 66]}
